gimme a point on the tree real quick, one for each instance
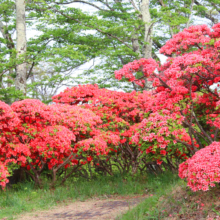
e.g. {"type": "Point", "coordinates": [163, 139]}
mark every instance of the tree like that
{"type": "Point", "coordinates": [40, 54]}
{"type": "Point", "coordinates": [21, 47]}
{"type": "Point", "coordinates": [45, 81]}
{"type": "Point", "coordinates": [116, 34]}
{"type": "Point", "coordinates": [124, 30]}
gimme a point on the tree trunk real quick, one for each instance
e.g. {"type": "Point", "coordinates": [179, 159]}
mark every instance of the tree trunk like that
{"type": "Point", "coordinates": [146, 18]}
{"type": "Point", "coordinates": [135, 45]}
{"type": "Point", "coordinates": [147, 49]}
{"type": "Point", "coordinates": [21, 68]}
{"type": "Point", "coordinates": [10, 45]}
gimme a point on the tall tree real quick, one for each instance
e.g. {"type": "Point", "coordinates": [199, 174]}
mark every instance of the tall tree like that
{"type": "Point", "coordinates": [21, 46]}
{"type": "Point", "coordinates": [44, 48]}
{"type": "Point", "coordinates": [146, 18]}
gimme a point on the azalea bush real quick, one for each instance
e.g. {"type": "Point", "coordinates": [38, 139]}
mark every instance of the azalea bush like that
{"type": "Point", "coordinates": [89, 129]}
{"type": "Point", "coordinates": [12, 151]}
{"type": "Point", "coordinates": [121, 113]}
{"type": "Point", "coordinates": [3, 175]}
{"type": "Point", "coordinates": [202, 171]}
{"type": "Point", "coordinates": [38, 137]}
{"type": "Point", "coordinates": [183, 113]}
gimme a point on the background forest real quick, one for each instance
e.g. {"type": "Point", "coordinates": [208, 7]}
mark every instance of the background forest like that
{"type": "Point", "coordinates": [105, 35]}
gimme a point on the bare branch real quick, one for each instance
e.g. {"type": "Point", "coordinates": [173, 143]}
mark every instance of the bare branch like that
{"type": "Point", "coordinates": [207, 15]}
{"type": "Point", "coordinates": [162, 3]}
{"type": "Point", "coordinates": [66, 161]}
{"type": "Point", "coordinates": [201, 128]}
{"type": "Point", "coordinates": [216, 134]}
{"type": "Point", "coordinates": [184, 143]}
{"type": "Point", "coordinates": [164, 83]}
{"type": "Point", "coordinates": [215, 6]}
{"type": "Point", "coordinates": [133, 4]}
{"type": "Point", "coordinates": [6, 35]}
{"type": "Point", "coordinates": [191, 116]}
{"type": "Point", "coordinates": [81, 1]}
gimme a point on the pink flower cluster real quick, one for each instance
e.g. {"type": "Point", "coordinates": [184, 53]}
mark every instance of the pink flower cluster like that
{"type": "Point", "coordinates": [3, 175]}
{"type": "Point", "coordinates": [146, 66]}
{"type": "Point", "coordinates": [182, 41]}
{"type": "Point", "coordinates": [203, 169]}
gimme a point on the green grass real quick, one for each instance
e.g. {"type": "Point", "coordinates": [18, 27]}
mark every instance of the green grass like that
{"type": "Point", "coordinates": [177, 201]}
{"type": "Point", "coordinates": [158, 187]}
{"type": "Point", "coordinates": [25, 197]}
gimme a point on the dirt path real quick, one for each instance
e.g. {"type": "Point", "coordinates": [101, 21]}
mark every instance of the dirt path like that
{"type": "Point", "coordinates": [93, 209]}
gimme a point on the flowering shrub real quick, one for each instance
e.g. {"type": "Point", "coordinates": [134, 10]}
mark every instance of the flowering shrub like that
{"type": "Point", "coordinates": [120, 112]}
{"type": "Point", "coordinates": [183, 112]}
{"type": "Point", "coordinates": [3, 175]}
{"type": "Point", "coordinates": [203, 169]}
{"type": "Point", "coordinates": [100, 128]}
{"type": "Point", "coordinates": [11, 150]}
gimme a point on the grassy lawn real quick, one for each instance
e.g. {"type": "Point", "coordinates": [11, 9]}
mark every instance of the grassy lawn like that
{"type": "Point", "coordinates": [168, 196]}
{"type": "Point", "coordinates": [24, 197]}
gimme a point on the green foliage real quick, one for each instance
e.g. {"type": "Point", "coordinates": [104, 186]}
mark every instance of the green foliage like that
{"type": "Point", "coordinates": [69, 37]}
{"type": "Point", "coordinates": [10, 95]}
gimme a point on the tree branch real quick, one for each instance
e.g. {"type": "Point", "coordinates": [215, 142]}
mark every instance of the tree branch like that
{"type": "Point", "coordinates": [90, 26]}
{"type": "Point", "coordinates": [133, 4]}
{"type": "Point", "coordinates": [207, 15]}
{"type": "Point", "coordinates": [81, 1]}
{"type": "Point", "coordinates": [184, 143]}
{"type": "Point", "coordinates": [190, 16]}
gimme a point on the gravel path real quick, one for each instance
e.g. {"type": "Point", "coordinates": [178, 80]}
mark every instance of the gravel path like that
{"type": "Point", "coordinates": [93, 209]}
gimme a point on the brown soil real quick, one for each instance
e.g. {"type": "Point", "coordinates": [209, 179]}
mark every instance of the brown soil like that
{"type": "Point", "coordinates": [93, 209]}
